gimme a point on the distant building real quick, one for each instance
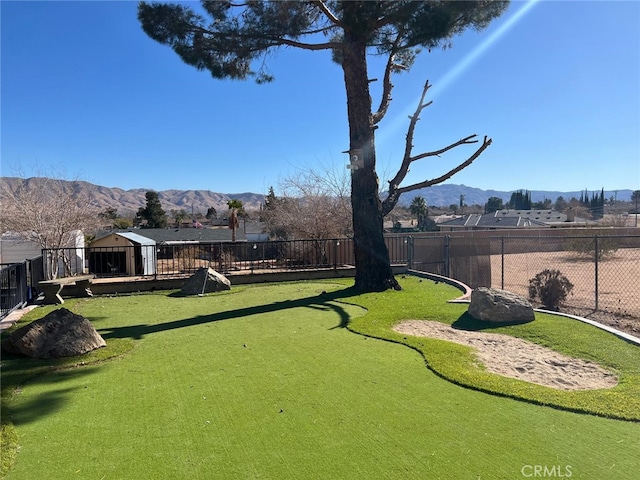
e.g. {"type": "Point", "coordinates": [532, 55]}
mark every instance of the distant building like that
{"type": "Point", "coordinates": [514, 219]}
{"type": "Point", "coordinates": [15, 249]}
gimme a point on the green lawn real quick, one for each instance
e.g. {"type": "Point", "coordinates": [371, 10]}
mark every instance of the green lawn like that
{"type": "Point", "coordinates": [266, 382]}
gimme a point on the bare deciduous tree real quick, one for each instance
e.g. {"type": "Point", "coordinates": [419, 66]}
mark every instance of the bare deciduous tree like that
{"type": "Point", "coordinates": [46, 211]}
{"type": "Point", "coordinates": [314, 204]}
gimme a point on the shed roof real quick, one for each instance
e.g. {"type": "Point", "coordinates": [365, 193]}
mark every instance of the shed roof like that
{"type": "Point", "coordinates": [134, 237]}
{"type": "Point", "coordinates": [177, 235]}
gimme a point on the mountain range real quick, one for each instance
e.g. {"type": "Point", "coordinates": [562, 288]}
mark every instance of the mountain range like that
{"type": "Point", "coordinates": [127, 202]}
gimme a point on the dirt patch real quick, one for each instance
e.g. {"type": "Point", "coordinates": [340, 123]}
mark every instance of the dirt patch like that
{"type": "Point", "coordinates": [516, 358]}
{"type": "Point", "coordinates": [618, 300]}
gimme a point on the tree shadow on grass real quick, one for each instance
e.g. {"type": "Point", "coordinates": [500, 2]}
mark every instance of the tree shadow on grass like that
{"type": "Point", "coordinates": [17, 371]}
{"type": "Point", "coordinates": [46, 403]}
{"type": "Point", "coordinates": [323, 301]}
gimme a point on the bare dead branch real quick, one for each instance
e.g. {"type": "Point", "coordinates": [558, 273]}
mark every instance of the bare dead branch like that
{"type": "Point", "coordinates": [406, 159]}
{"type": "Point", "coordinates": [462, 141]}
{"type": "Point", "coordinates": [387, 86]}
{"type": "Point", "coordinates": [392, 199]}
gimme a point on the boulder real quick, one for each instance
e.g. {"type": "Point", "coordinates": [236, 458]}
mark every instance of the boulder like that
{"type": "Point", "coordinates": [61, 333]}
{"type": "Point", "coordinates": [205, 280]}
{"type": "Point", "coordinates": [499, 306]}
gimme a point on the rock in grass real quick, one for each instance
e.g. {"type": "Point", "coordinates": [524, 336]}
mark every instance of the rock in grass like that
{"type": "Point", "coordinates": [499, 306]}
{"type": "Point", "coordinates": [205, 280]}
{"type": "Point", "coordinates": [61, 333]}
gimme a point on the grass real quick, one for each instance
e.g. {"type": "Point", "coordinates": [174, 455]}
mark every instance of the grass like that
{"type": "Point", "coordinates": [456, 362]}
{"type": "Point", "coordinates": [265, 382]}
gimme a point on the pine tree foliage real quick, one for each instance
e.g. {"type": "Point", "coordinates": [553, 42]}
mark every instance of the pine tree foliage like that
{"type": "Point", "coordinates": [520, 200]}
{"type": "Point", "coordinates": [493, 204]}
{"type": "Point", "coordinates": [153, 212]}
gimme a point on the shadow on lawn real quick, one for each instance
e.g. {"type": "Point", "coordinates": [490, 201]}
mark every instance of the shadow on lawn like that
{"type": "Point", "coordinates": [322, 302]}
{"type": "Point", "coordinates": [47, 403]}
{"type": "Point", "coordinates": [18, 371]}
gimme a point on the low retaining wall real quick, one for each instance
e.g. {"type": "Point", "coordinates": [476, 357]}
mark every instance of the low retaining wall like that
{"type": "Point", "coordinates": [110, 286]}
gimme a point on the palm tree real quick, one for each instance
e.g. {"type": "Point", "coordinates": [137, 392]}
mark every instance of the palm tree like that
{"type": "Point", "coordinates": [236, 208]}
{"type": "Point", "coordinates": [419, 209]}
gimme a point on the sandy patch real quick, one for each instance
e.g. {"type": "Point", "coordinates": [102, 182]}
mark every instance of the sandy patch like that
{"type": "Point", "coordinates": [617, 281]}
{"type": "Point", "coordinates": [517, 358]}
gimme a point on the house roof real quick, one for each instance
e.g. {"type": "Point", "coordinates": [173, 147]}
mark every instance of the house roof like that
{"type": "Point", "coordinates": [178, 235]}
{"type": "Point", "coordinates": [545, 216]}
{"type": "Point", "coordinates": [512, 218]}
{"type": "Point", "coordinates": [489, 220]}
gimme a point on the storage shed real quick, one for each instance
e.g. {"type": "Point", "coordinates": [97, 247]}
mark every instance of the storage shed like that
{"type": "Point", "coordinates": [123, 253]}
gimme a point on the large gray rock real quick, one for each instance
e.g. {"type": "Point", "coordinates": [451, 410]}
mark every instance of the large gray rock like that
{"type": "Point", "coordinates": [61, 333]}
{"type": "Point", "coordinates": [205, 280]}
{"type": "Point", "coordinates": [499, 306]}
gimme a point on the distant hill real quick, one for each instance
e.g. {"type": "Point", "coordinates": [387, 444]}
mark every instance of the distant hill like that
{"type": "Point", "coordinates": [127, 202]}
{"type": "Point", "coordinates": [447, 194]}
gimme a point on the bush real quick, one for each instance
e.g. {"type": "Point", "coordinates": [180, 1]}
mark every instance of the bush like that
{"type": "Point", "coordinates": [586, 246]}
{"type": "Point", "coordinates": [551, 287]}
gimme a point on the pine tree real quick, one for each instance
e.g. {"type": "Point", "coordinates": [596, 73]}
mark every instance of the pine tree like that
{"type": "Point", "coordinates": [153, 212]}
{"type": "Point", "coordinates": [237, 38]}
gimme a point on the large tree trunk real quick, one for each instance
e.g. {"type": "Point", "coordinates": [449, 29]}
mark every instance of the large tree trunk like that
{"type": "Point", "coordinates": [373, 268]}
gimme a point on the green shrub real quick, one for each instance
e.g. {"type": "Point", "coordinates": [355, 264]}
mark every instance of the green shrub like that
{"type": "Point", "coordinates": [551, 287]}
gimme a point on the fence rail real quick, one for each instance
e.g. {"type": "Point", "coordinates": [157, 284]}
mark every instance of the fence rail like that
{"type": "Point", "coordinates": [186, 258]}
{"type": "Point", "coordinates": [605, 269]}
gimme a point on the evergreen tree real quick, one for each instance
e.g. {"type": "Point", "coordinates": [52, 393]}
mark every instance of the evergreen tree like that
{"type": "Point", "coordinates": [493, 204]}
{"type": "Point", "coordinates": [153, 212]}
{"type": "Point", "coordinates": [520, 200]}
{"type": "Point", "coordinates": [560, 205]}
{"type": "Point", "coordinates": [238, 38]}
{"type": "Point", "coordinates": [211, 213]}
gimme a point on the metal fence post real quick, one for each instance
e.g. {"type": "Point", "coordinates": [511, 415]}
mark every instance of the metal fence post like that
{"type": "Point", "coordinates": [410, 251]}
{"type": "Point", "coordinates": [447, 255]}
{"type": "Point", "coordinates": [597, 252]}
{"type": "Point", "coordinates": [502, 262]}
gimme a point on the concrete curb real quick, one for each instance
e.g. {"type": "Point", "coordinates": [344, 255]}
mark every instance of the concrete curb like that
{"type": "Point", "coordinates": [10, 320]}
{"type": "Point", "coordinates": [623, 335]}
{"type": "Point", "coordinates": [466, 298]}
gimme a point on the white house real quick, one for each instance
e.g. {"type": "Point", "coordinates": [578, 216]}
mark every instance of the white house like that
{"type": "Point", "coordinates": [15, 249]}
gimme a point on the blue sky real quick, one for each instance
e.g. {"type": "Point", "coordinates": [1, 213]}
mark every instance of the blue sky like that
{"type": "Point", "coordinates": [555, 84]}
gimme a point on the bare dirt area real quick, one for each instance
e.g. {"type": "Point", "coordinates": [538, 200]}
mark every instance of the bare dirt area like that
{"type": "Point", "coordinates": [516, 358]}
{"type": "Point", "coordinates": [618, 274]}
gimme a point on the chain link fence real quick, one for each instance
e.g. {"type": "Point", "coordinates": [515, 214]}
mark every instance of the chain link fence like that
{"type": "Point", "coordinates": [604, 269]}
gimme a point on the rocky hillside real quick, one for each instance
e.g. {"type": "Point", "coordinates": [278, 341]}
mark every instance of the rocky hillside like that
{"type": "Point", "coordinates": [127, 202]}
